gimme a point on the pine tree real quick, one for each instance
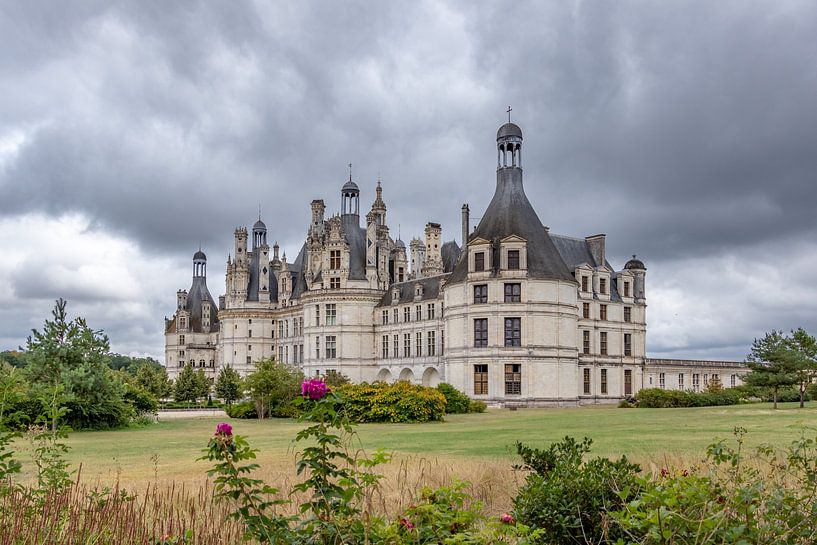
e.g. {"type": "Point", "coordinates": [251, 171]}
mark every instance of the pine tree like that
{"type": "Point", "coordinates": [228, 385]}
{"type": "Point", "coordinates": [772, 363]}
{"type": "Point", "coordinates": [185, 386]}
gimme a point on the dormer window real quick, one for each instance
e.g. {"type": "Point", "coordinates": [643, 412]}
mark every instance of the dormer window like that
{"type": "Point", "coordinates": [395, 296]}
{"type": "Point", "coordinates": [513, 260]}
{"type": "Point", "coordinates": [479, 261]}
{"type": "Point", "coordinates": [626, 289]}
{"type": "Point", "coordinates": [603, 286]}
{"type": "Point", "coordinates": [334, 259]}
{"type": "Point", "coordinates": [585, 283]}
{"type": "Point", "coordinates": [334, 283]}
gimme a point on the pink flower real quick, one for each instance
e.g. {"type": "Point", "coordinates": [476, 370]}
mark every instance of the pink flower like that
{"type": "Point", "coordinates": [314, 389]}
{"type": "Point", "coordinates": [664, 472]}
{"type": "Point", "coordinates": [506, 518]}
{"type": "Point", "coordinates": [224, 429]}
{"type": "Point", "coordinates": [407, 524]}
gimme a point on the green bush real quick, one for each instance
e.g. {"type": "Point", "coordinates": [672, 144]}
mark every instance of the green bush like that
{"type": "Point", "coordinates": [656, 398]}
{"type": "Point", "coordinates": [788, 395]}
{"type": "Point", "coordinates": [477, 406]}
{"type": "Point", "coordinates": [398, 402]}
{"type": "Point", "coordinates": [21, 414]}
{"type": "Point", "coordinates": [569, 498]}
{"type": "Point", "coordinates": [456, 402]}
{"type": "Point", "coordinates": [140, 399]}
{"type": "Point", "coordinates": [245, 409]}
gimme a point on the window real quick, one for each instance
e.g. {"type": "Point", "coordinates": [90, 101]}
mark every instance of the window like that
{"type": "Point", "coordinates": [331, 347]}
{"type": "Point", "coordinates": [181, 339]}
{"type": "Point", "coordinates": [286, 328]}
{"type": "Point", "coordinates": [418, 312]}
{"type": "Point", "coordinates": [249, 347]}
{"type": "Point", "coordinates": [585, 342]}
{"type": "Point", "coordinates": [480, 332]}
{"type": "Point", "coordinates": [602, 312]}
{"type": "Point", "coordinates": [249, 333]}
{"type": "Point", "coordinates": [585, 310]}
{"type": "Point", "coordinates": [603, 286]}
{"type": "Point", "coordinates": [396, 346]}
{"type": "Point", "coordinates": [430, 310]}
{"type": "Point", "coordinates": [513, 378]}
{"type": "Point", "coordinates": [586, 377]}
{"type": "Point", "coordinates": [628, 344]}
{"type": "Point", "coordinates": [696, 381]}
{"type": "Point", "coordinates": [396, 315]}
{"type": "Point", "coordinates": [513, 293]}
{"type": "Point", "coordinates": [706, 380]}
{"type": "Point", "coordinates": [628, 382]}
{"type": "Point", "coordinates": [317, 348]}
{"type": "Point", "coordinates": [406, 345]}
{"type": "Point", "coordinates": [331, 314]}
{"type": "Point", "coordinates": [585, 282]}
{"type": "Point", "coordinates": [662, 381]}
{"type": "Point", "coordinates": [626, 289]}
{"type": "Point", "coordinates": [480, 294]}
{"type": "Point", "coordinates": [317, 315]}
{"type": "Point", "coordinates": [603, 343]}
{"type": "Point", "coordinates": [249, 359]}
{"type": "Point", "coordinates": [281, 354]}
{"type": "Point", "coordinates": [481, 380]}
{"type": "Point", "coordinates": [407, 314]}
{"type": "Point", "coordinates": [479, 261]}
{"type": "Point", "coordinates": [301, 353]}
{"type": "Point", "coordinates": [385, 345]}
{"type": "Point", "coordinates": [334, 259]}
{"type": "Point", "coordinates": [680, 381]}
{"type": "Point", "coordinates": [513, 331]}
{"type": "Point", "coordinates": [442, 342]}
{"type": "Point", "coordinates": [384, 317]}
{"type": "Point", "coordinates": [431, 338]}
{"type": "Point", "coordinates": [334, 283]}
{"type": "Point", "coordinates": [604, 382]}
{"type": "Point", "coordinates": [628, 314]}
{"type": "Point", "coordinates": [732, 380]}
{"type": "Point", "coordinates": [418, 346]}
{"type": "Point", "coordinates": [513, 260]}
{"type": "Point", "coordinates": [400, 274]}
{"type": "Point", "coordinates": [181, 354]}
{"type": "Point", "coordinates": [182, 323]}
{"type": "Point", "coordinates": [286, 354]}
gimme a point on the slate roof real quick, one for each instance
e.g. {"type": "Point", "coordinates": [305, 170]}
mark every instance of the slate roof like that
{"type": "Point", "coordinates": [450, 253]}
{"type": "Point", "coordinates": [510, 213]}
{"type": "Point", "coordinates": [575, 252]}
{"type": "Point", "coordinates": [198, 292]}
{"type": "Point", "coordinates": [431, 289]}
{"type": "Point", "coordinates": [356, 238]}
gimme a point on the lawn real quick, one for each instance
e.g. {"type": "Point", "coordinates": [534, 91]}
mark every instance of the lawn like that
{"type": "Point", "coordinates": [168, 450]}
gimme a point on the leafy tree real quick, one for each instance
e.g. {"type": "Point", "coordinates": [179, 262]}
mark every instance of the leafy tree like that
{"type": "Point", "coordinates": [272, 385]}
{"type": "Point", "coordinates": [12, 389]}
{"type": "Point", "coordinates": [69, 353]}
{"type": "Point", "coordinates": [119, 362]}
{"type": "Point", "coordinates": [228, 385]}
{"type": "Point", "coordinates": [772, 363]}
{"type": "Point", "coordinates": [714, 385]}
{"type": "Point", "coordinates": [154, 380]}
{"type": "Point", "coordinates": [805, 346]}
{"type": "Point", "coordinates": [13, 358]}
{"type": "Point", "coordinates": [185, 387]}
{"type": "Point", "coordinates": [202, 384]}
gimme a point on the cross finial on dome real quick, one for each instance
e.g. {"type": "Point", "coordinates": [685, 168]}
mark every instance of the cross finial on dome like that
{"type": "Point", "coordinates": [508, 111]}
{"type": "Point", "coordinates": [350, 172]}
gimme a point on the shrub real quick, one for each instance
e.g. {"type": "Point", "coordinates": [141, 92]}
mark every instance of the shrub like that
{"type": "Point", "coordinates": [456, 402]}
{"type": "Point", "coordinates": [140, 399]}
{"type": "Point", "coordinates": [788, 395]}
{"type": "Point", "coordinates": [272, 386]}
{"type": "Point", "coordinates": [658, 398]}
{"type": "Point", "coordinates": [477, 406]}
{"type": "Point", "coordinates": [245, 409]}
{"type": "Point", "coordinates": [624, 404]}
{"type": "Point", "coordinates": [398, 402]}
{"type": "Point", "coordinates": [569, 498]}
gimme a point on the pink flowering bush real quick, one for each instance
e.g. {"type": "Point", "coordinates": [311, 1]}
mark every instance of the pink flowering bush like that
{"type": "Point", "coordinates": [314, 389]}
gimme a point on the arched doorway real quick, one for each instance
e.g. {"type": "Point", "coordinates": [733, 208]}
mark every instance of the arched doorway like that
{"type": "Point", "coordinates": [407, 375]}
{"type": "Point", "coordinates": [431, 377]}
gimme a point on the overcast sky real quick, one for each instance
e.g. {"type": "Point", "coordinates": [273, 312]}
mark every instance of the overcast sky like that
{"type": "Point", "coordinates": [131, 132]}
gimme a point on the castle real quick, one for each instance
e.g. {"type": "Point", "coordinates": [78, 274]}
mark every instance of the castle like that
{"type": "Point", "coordinates": [516, 315]}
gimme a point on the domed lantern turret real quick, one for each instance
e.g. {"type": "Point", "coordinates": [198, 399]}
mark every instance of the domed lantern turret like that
{"type": "Point", "coordinates": [509, 144]}
{"type": "Point", "coordinates": [350, 197]}
{"type": "Point", "coordinates": [199, 265]}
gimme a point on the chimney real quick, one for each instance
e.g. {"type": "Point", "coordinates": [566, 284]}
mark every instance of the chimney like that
{"type": "Point", "coordinates": [466, 214]}
{"type": "Point", "coordinates": [596, 245]}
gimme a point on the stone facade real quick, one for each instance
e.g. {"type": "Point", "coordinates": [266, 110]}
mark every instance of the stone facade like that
{"type": "Point", "coordinates": [517, 315]}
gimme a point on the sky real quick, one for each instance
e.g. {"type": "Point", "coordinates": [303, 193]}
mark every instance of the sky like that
{"type": "Point", "coordinates": [133, 132]}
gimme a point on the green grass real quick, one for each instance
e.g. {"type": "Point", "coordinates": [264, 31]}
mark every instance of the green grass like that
{"type": "Point", "coordinates": [168, 450]}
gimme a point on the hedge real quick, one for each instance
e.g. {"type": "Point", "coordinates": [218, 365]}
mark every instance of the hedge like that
{"type": "Point", "coordinates": [658, 398]}
{"type": "Point", "coordinates": [398, 402]}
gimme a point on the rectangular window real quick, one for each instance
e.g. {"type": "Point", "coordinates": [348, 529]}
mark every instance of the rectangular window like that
{"type": "Point", "coordinates": [513, 293]}
{"type": "Point", "coordinates": [626, 289]}
{"type": "Point", "coordinates": [384, 317]}
{"type": "Point", "coordinates": [479, 261]}
{"type": "Point", "coordinates": [407, 314]}
{"type": "Point", "coordinates": [481, 380]}
{"type": "Point", "coordinates": [181, 354]}
{"type": "Point", "coordinates": [396, 346]}
{"type": "Point", "coordinates": [604, 382]}
{"type": "Point", "coordinates": [513, 331]}
{"type": "Point", "coordinates": [442, 342]}
{"type": "Point", "coordinates": [480, 294]}
{"type": "Point", "coordinates": [628, 382]}
{"type": "Point", "coordinates": [430, 310]}
{"type": "Point", "coordinates": [585, 342]}
{"type": "Point", "coordinates": [301, 353]}
{"type": "Point", "coordinates": [249, 333]}
{"type": "Point", "coordinates": [396, 315]}
{"type": "Point", "coordinates": [334, 259]}
{"type": "Point", "coordinates": [513, 260]}
{"type": "Point", "coordinates": [628, 314]}
{"type": "Point", "coordinates": [732, 381]}
{"type": "Point", "coordinates": [706, 380]}
{"type": "Point", "coordinates": [586, 377]}
{"type": "Point", "coordinates": [513, 378]}
{"type": "Point", "coordinates": [331, 314]}
{"type": "Point", "coordinates": [317, 348]}
{"type": "Point", "coordinates": [249, 359]}
{"type": "Point", "coordinates": [418, 312]}
{"type": "Point", "coordinates": [628, 344]}
{"type": "Point", "coordinates": [331, 347]}
{"type": "Point", "coordinates": [432, 345]}
{"type": "Point", "coordinates": [585, 310]}
{"type": "Point", "coordinates": [334, 283]}
{"type": "Point", "coordinates": [662, 381]}
{"type": "Point", "coordinates": [418, 346]}
{"type": "Point", "coordinates": [406, 345]}
{"type": "Point", "coordinates": [585, 283]}
{"type": "Point", "coordinates": [696, 381]}
{"type": "Point", "coordinates": [480, 332]}
{"type": "Point", "coordinates": [680, 381]}
{"type": "Point", "coordinates": [181, 339]}
{"type": "Point", "coordinates": [286, 354]}
{"type": "Point", "coordinates": [603, 343]}
{"type": "Point", "coordinates": [384, 343]}
{"type": "Point", "coordinates": [286, 328]}
{"type": "Point", "coordinates": [603, 286]}
{"type": "Point", "coordinates": [317, 315]}
{"type": "Point", "coordinates": [602, 312]}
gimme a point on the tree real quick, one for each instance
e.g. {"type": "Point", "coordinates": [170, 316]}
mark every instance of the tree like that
{"type": "Point", "coordinates": [772, 363]}
{"type": "Point", "coordinates": [13, 358]}
{"type": "Point", "coordinates": [185, 387]}
{"type": "Point", "coordinates": [228, 385]}
{"type": "Point", "coordinates": [805, 346]}
{"type": "Point", "coordinates": [272, 385]}
{"type": "Point", "coordinates": [71, 354]}
{"type": "Point", "coordinates": [202, 384]}
{"type": "Point", "coordinates": [154, 380]}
